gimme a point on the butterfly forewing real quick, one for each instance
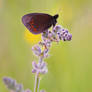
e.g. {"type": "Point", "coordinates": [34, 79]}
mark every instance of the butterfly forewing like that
{"type": "Point", "coordinates": [37, 22]}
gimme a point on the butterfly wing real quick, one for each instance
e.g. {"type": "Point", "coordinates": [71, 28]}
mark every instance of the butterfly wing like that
{"type": "Point", "coordinates": [37, 22]}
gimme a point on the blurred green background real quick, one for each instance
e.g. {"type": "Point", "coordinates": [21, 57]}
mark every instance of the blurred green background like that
{"type": "Point", "coordinates": [70, 63]}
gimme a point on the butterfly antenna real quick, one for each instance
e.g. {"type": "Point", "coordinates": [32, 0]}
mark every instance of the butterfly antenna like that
{"type": "Point", "coordinates": [59, 11]}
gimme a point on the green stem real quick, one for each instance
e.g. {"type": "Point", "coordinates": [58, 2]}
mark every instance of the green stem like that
{"type": "Point", "coordinates": [37, 78]}
{"type": "Point", "coordinates": [37, 83]}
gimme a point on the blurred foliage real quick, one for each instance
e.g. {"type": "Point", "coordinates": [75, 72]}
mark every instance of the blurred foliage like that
{"type": "Point", "coordinates": [70, 63]}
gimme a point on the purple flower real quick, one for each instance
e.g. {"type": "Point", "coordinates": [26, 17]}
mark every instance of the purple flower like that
{"type": "Point", "coordinates": [58, 33]}
{"type": "Point", "coordinates": [45, 53]}
{"type": "Point", "coordinates": [45, 34]}
{"type": "Point", "coordinates": [9, 82]}
{"type": "Point", "coordinates": [28, 90]}
{"type": "Point", "coordinates": [12, 85]}
{"type": "Point", "coordinates": [37, 50]}
{"type": "Point", "coordinates": [61, 33]}
{"type": "Point", "coordinates": [57, 28]}
{"type": "Point", "coordinates": [19, 88]}
{"type": "Point", "coordinates": [65, 35]}
{"type": "Point", "coordinates": [42, 91]}
{"type": "Point", "coordinates": [39, 68]}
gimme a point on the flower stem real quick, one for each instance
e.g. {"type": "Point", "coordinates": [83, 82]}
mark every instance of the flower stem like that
{"type": "Point", "coordinates": [37, 83]}
{"type": "Point", "coordinates": [37, 78]}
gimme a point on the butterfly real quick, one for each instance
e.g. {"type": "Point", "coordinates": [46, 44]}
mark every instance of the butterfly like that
{"type": "Point", "coordinates": [39, 22]}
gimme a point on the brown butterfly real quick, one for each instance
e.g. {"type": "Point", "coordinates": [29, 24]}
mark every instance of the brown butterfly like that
{"type": "Point", "coordinates": [39, 22]}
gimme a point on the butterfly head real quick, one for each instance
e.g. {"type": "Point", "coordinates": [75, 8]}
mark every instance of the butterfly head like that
{"type": "Point", "coordinates": [55, 19]}
{"type": "Point", "coordinates": [56, 16]}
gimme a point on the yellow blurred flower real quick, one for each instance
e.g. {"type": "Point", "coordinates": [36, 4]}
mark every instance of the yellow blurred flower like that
{"type": "Point", "coordinates": [32, 38]}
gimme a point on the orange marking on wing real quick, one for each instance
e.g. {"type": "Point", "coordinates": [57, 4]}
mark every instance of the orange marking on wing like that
{"type": "Point", "coordinates": [34, 29]}
{"type": "Point", "coordinates": [32, 26]}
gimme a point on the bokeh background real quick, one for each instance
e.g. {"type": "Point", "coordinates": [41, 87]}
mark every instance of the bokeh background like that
{"type": "Point", "coordinates": [70, 63]}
